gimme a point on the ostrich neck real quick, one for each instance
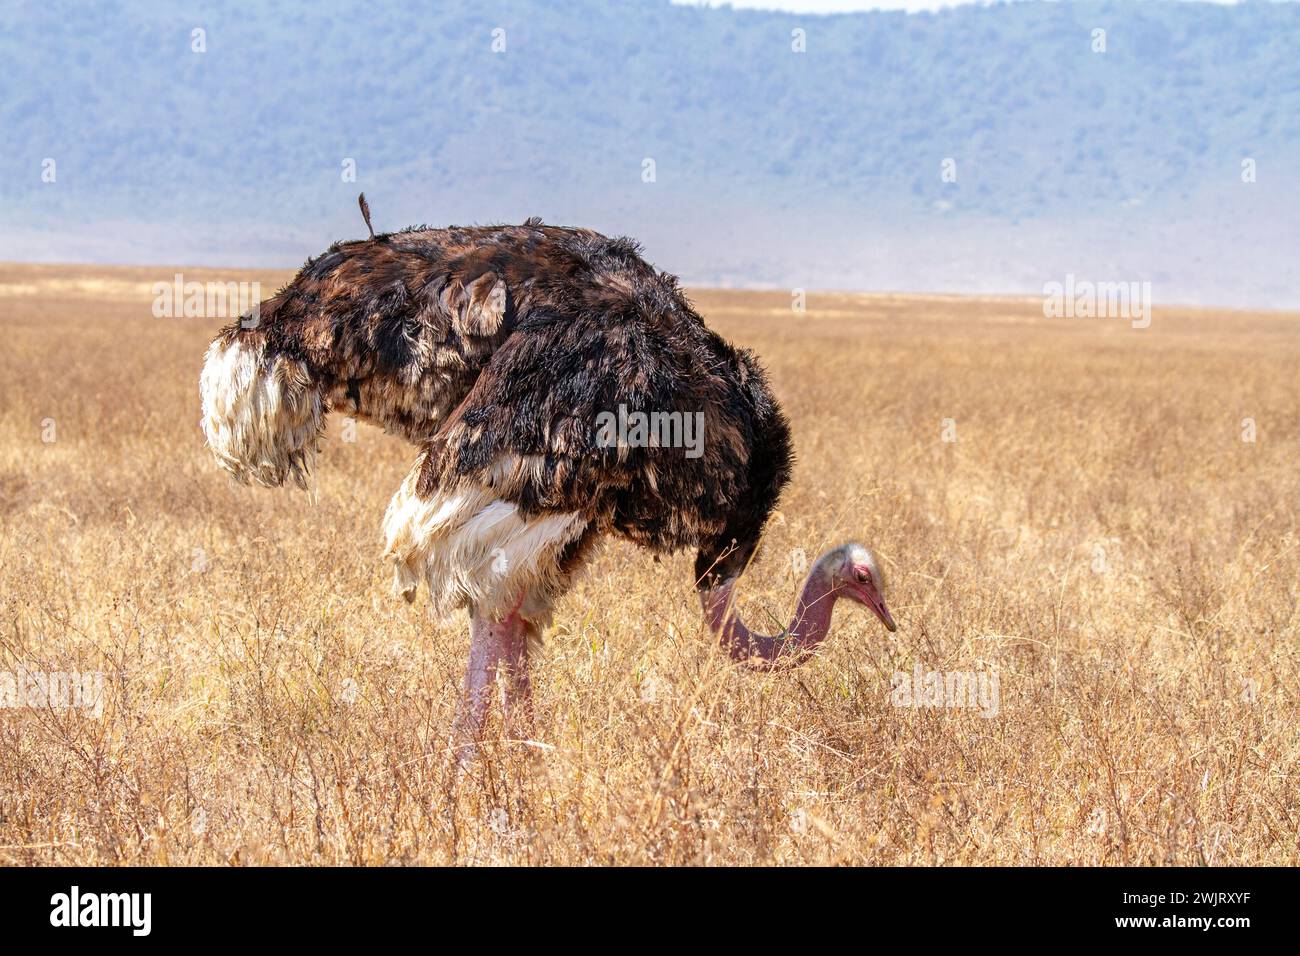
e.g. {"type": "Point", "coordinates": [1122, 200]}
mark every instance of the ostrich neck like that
{"type": "Point", "coordinates": [794, 645]}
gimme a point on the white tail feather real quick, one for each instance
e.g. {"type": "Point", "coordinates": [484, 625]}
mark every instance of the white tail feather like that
{"type": "Point", "coordinates": [263, 420]}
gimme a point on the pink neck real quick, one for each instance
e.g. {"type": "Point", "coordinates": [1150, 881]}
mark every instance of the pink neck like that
{"type": "Point", "coordinates": [793, 646]}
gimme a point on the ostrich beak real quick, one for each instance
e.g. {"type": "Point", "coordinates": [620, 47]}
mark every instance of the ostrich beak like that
{"type": "Point", "coordinates": [882, 612]}
{"type": "Point", "coordinates": [868, 595]}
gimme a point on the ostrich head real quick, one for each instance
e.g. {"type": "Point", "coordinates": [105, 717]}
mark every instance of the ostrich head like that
{"type": "Point", "coordinates": [854, 573]}
{"type": "Point", "coordinates": [850, 571]}
{"type": "Point", "coordinates": [262, 411]}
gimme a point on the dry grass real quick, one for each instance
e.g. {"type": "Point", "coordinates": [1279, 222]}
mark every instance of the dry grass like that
{"type": "Point", "coordinates": [267, 701]}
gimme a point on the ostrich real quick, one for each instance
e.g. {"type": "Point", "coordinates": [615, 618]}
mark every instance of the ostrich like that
{"type": "Point", "coordinates": [494, 350]}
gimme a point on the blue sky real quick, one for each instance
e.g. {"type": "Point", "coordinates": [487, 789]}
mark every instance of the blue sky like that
{"type": "Point", "coordinates": [830, 6]}
{"type": "Point", "coordinates": [849, 6]}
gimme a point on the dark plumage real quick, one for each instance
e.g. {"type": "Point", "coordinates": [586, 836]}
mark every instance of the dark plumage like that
{"type": "Point", "coordinates": [489, 343]}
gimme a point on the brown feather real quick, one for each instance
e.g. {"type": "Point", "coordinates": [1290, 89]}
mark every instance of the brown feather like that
{"type": "Point", "coordinates": [365, 213]}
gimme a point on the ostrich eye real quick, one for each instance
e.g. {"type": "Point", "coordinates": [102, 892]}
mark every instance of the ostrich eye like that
{"type": "Point", "coordinates": [862, 576]}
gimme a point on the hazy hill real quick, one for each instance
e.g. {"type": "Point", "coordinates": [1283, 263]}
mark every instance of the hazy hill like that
{"type": "Point", "coordinates": [811, 169]}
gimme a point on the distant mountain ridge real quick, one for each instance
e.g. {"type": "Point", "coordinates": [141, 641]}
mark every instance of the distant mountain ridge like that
{"type": "Point", "coordinates": [822, 168]}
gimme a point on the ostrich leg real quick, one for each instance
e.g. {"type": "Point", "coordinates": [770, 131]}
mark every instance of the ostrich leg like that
{"type": "Point", "coordinates": [495, 647]}
{"type": "Point", "coordinates": [517, 689]}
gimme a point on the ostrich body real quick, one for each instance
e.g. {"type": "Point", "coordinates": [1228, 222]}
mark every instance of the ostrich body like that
{"type": "Point", "coordinates": [495, 350]}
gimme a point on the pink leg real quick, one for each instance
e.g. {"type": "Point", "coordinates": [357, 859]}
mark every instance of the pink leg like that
{"type": "Point", "coordinates": [495, 647]}
{"type": "Point", "coordinates": [517, 703]}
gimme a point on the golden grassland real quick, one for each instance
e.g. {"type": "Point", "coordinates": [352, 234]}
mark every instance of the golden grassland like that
{"type": "Point", "coordinates": [1099, 535]}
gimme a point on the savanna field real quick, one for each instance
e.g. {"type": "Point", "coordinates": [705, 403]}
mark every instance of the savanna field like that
{"type": "Point", "coordinates": [1107, 518]}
